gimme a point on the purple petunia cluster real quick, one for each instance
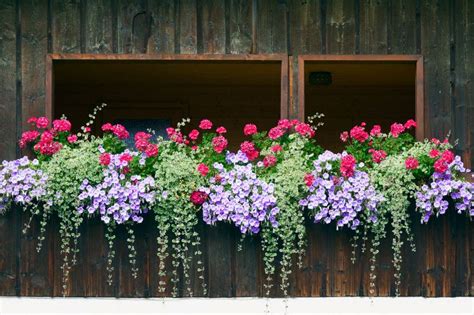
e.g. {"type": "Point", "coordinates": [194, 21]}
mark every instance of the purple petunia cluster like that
{"type": "Point", "coordinates": [118, 197]}
{"type": "Point", "coordinates": [336, 198]}
{"type": "Point", "coordinates": [433, 198]}
{"type": "Point", "coordinates": [20, 182]}
{"type": "Point", "coordinates": [238, 196]}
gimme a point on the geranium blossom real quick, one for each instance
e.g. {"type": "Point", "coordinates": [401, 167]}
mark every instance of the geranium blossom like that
{"type": "Point", "coordinates": [205, 124]}
{"type": "Point", "coordinates": [250, 129]}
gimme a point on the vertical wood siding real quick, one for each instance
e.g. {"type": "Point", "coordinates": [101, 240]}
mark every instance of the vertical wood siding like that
{"type": "Point", "coordinates": [442, 31]}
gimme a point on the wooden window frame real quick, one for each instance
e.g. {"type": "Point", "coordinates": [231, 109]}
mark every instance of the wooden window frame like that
{"type": "Point", "coordinates": [419, 81]}
{"type": "Point", "coordinates": [282, 58]}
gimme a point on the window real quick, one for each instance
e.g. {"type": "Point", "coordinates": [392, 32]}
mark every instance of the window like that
{"type": "Point", "coordinates": [354, 89]}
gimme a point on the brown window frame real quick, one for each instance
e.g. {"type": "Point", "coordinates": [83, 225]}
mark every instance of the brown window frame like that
{"type": "Point", "coordinates": [282, 58]}
{"type": "Point", "coordinates": [299, 110]}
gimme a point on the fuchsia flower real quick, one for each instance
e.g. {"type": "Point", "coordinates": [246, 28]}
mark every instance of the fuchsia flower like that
{"type": "Point", "coordinates": [376, 130]}
{"type": "Point", "coordinates": [170, 131]}
{"type": "Point", "coordinates": [141, 144]}
{"type": "Point", "coordinates": [250, 129]}
{"type": "Point", "coordinates": [440, 166]}
{"type": "Point", "coordinates": [435, 141]}
{"type": "Point", "coordinates": [194, 134]}
{"type": "Point", "coordinates": [194, 147]}
{"type": "Point", "coordinates": [142, 136]}
{"type": "Point", "coordinates": [203, 169]}
{"type": "Point", "coordinates": [87, 129]}
{"type": "Point", "coordinates": [276, 132]}
{"type": "Point", "coordinates": [221, 130]}
{"type": "Point", "coordinates": [344, 136]}
{"type": "Point", "coordinates": [42, 122]}
{"type": "Point", "coordinates": [434, 153]}
{"type": "Point", "coordinates": [32, 120]}
{"type": "Point", "coordinates": [305, 130]}
{"type": "Point", "coordinates": [448, 156]}
{"type": "Point", "coordinates": [378, 155]}
{"type": "Point", "coordinates": [396, 129]}
{"type": "Point", "coordinates": [347, 167]}
{"type": "Point", "coordinates": [151, 150]}
{"type": "Point", "coordinates": [107, 127]}
{"type": "Point", "coordinates": [125, 157]}
{"type": "Point", "coordinates": [120, 131]}
{"type": "Point", "coordinates": [410, 123]}
{"type": "Point", "coordinates": [285, 123]}
{"type": "Point", "coordinates": [309, 179]}
{"type": "Point", "coordinates": [219, 143]}
{"type": "Point", "coordinates": [358, 133]}
{"type": "Point", "coordinates": [248, 148]}
{"type": "Point", "coordinates": [269, 160]}
{"type": "Point", "coordinates": [411, 163]}
{"type": "Point", "coordinates": [72, 138]}
{"type": "Point", "coordinates": [198, 197]}
{"type": "Point", "coordinates": [28, 137]}
{"type": "Point", "coordinates": [62, 125]}
{"type": "Point", "coordinates": [104, 159]}
{"type": "Point", "coordinates": [276, 148]}
{"type": "Point", "coordinates": [205, 124]}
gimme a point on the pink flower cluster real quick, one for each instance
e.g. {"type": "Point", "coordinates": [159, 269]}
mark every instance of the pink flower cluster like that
{"type": "Point", "coordinates": [62, 125]}
{"type": "Point", "coordinates": [442, 163]}
{"type": "Point", "coordinates": [142, 143]}
{"type": "Point", "coordinates": [219, 143]}
{"type": "Point", "coordinates": [377, 155]}
{"type": "Point", "coordinates": [285, 125]}
{"type": "Point", "coordinates": [347, 167]}
{"type": "Point", "coordinates": [175, 135]}
{"type": "Point", "coordinates": [411, 163]}
{"type": "Point", "coordinates": [248, 148]}
{"type": "Point", "coordinates": [118, 130]}
{"type": "Point", "coordinates": [250, 129]}
{"type": "Point", "coordinates": [47, 145]}
{"type": "Point", "coordinates": [269, 160]}
{"type": "Point", "coordinates": [396, 129]}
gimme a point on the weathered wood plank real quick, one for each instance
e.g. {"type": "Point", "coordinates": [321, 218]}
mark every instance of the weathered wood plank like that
{"type": "Point", "coordinates": [246, 268]}
{"type": "Point", "coordinates": [187, 26]}
{"type": "Point", "coordinates": [403, 27]}
{"type": "Point", "coordinates": [66, 28]}
{"type": "Point", "coordinates": [220, 244]}
{"type": "Point", "coordinates": [213, 25]}
{"type": "Point", "coordinates": [98, 28]}
{"type": "Point", "coordinates": [134, 26]}
{"type": "Point", "coordinates": [340, 26]}
{"type": "Point", "coordinates": [240, 26]}
{"type": "Point", "coordinates": [305, 27]}
{"type": "Point", "coordinates": [272, 26]}
{"type": "Point", "coordinates": [373, 26]}
{"type": "Point", "coordinates": [163, 27]}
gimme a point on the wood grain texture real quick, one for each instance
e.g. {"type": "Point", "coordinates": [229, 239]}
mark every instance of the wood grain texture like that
{"type": "Point", "coordinates": [373, 26]}
{"type": "Point", "coordinates": [66, 28]}
{"type": "Point", "coordinates": [213, 26]}
{"type": "Point", "coordinates": [340, 26]}
{"type": "Point", "coordinates": [240, 26]}
{"type": "Point", "coordinates": [402, 31]}
{"type": "Point", "coordinates": [187, 26]}
{"type": "Point", "coordinates": [163, 26]}
{"type": "Point", "coordinates": [305, 26]}
{"type": "Point", "coordinates": [272, 27]}
{"type": "Point", "coordinates": [133, 26]}
{"type": "Point", "coordinates": [98, 26]}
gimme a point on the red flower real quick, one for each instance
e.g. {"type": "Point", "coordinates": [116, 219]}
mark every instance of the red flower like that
{"type": "Point", "coordinates": [358, 133]}
{"type": "Point", "coordinates": [125, 157]}
{"type": "Point", "coordinates": [250, 129]}
{"type": "Point", "coordinates": [48, 148]}
{"type": "Point", "coordinates": [194, 147]}
{"type": "Point", "coordinates": [72, 138]}
{"type": "Point", "coordinates": [378, 155]}
{"type": "Point", "coordinates": [32, 120]}
{"type": "Point", "coordinates": [249, 149]}
{"type": "Point", "coordinates": [284, 123]}
{"type": "Point", "coordinates": [344, 136]}
{"type": "Point", "coordinates": [87, 129]}
{"type": "Point", "coordinates": [194, 134]}
{"type": "Point", "coordinates": [410, 123]}
{"type": "Point", "coordinates": [309, 180]}
{"type": "Point", "coordinates": [120, 131]}
{"type": "Point", "coordinates": [104, 159]}
{"type": "Point", "coordinates": [435, 141]}
{"type": "Point", "coordinates": [276, 148]}
{"type": "Point", "coordinates": [177, 137]}
{"type": "Point", "coordinates": [47, 136]}
{"type": "Point", "coordinates": [221, 130]}
{"type": "Point", "coordinates": [151, 150]}
{"type": "Point", "coordinates": [107, 127]}
{"type": "Point", "coordinates": [347, 165]}
{"type": "Point", "coordinates": [411, 163]}
{"type": "Point", "coordinates": [269, 160]}
{"type": "Point", "coordinates": [440, 166]}
{"type": "Point", "coordinates": [42, 122]}
{"type": "Point", "coordinates": [141, 144]}
{"type": "Point", "coordinates": [304, 130]}
{"type": "Point", "coordinates": [376, 130]}
{"type": "Point", "coordinates": [275, 133]}
{"type": "Point", "coordinates": [434, 153]}
{"type": "Point", "coordinates": [447, 156]}
{"type": "Point", "coordinates": [396, 129]}
{"type": "Point", "coordinates": [219, 143]}
{"type": "Point", "coordinates": [205, 124]}
{"type": "Point", "coordinates": [203, 169]}
{"type": "Point", "coordinates": [170, 131]}
{"type": "Point", "coordinates": [142, 136]}
{"type": "Point", "coordinates": [28, 136]}
{"type": "Point", "coordinates": [62, 125]}
{"type": "Point", "coordinates": [198, 197]}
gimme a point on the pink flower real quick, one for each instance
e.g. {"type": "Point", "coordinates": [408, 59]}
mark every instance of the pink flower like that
{"type": "Point", "coordinates": [305, 130]}
{"type": "Point", "coordinates": [72, 138]}
{"type": "Point", "coordinates": [396, 129]}
{"type": "Point", "coordinates": [104, 159]}
{"type": "Point", "coordinates": [28, 136]}
{"type": "Point", "coordinates": [434, 153]}
{"type": "Point", "coordinates": [376, 130]}
{"type": "Point", "coordinates": [142, 136]}
{"type": "Point", "coordinates": [107, 127]}
{"type": "Point", "coordinates": [411, 163]}
{"type": "Point", "coordinates": [120, 131]}
{"type": "Point", "coordinates": [275, 133]}
{"type": "Point", "coordinates": [309, 179]}
{"type": "Point", "coordinates": [378, 155]}
{"type": "Point", "coordinates": [170, 131]}
{"type": "Point", "coordinates": [42, 122]}
{"type": "Point", "coordinates": [205, 124]}
{"type": "Point", "coordinates": [447, 156]}
{"type": "Point", "coordinates": [47, 136]}
{"type": "Point", "coordinates": [194, 134]}
{"type": "Point", "coordinates": [276, 148]}
{"type": "Point", "coordinates": [435, 141]}
{"type": "Point", "coordinates": [250, 129]}
{"type": "Point", "coordinates": [440, 166]}
{"type": "Point", "coordinates": [141, 144]}
{"type": "Point", "coordinates": [269, 160]}
{"type": "Point", "coordinates": [32, 120]}
{"type": "Point", "coordinates": [177, 137]}
{"type": "Point", "coordinates": [151, 150]}
{"type": "Point", "coordinates": [48, 148]}
{"type": "Point", "coordinates": [198, 197]}
{"type": "Point", "coordinates": [203, 169]}
{"type": "Point", "coordinates": [344, 136]}
{"type": "Point", "coordinates": [347, 165]}
{"type": "Point", "coordinates": [87, 129]}
{"type": "Point", "coordinates": [249, 149]}
{"type": "Point", "coordinates": [358, 133]}
{"type": "Point", "coordinates": [219, 143]}
{"type": "Point", "coordinates": [62, 125]}
{"type": "Point", "coordinates": [221, 130]}
{"type": "Point", "coordinates": [410, 123]}
{"type": "Point", "coordinates": [194, 147]}
{"type": "Point", "coordinates": [284, 123]}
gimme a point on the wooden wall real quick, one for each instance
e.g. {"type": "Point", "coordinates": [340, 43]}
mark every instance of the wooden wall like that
{"type": "Point", "coordinates": [442, 31]}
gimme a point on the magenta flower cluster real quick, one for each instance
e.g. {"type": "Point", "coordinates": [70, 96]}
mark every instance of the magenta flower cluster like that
{"type": "Point", "coordinates": [433, 198]}
{"type": "Point", "coordinates": [333, 197]}
{"type": "Point", "coordinates": [21, 183]}
{"type": "Point", "coordinates": [238, 196]}
{"type": "Point", "coordinates": [118, 197]}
